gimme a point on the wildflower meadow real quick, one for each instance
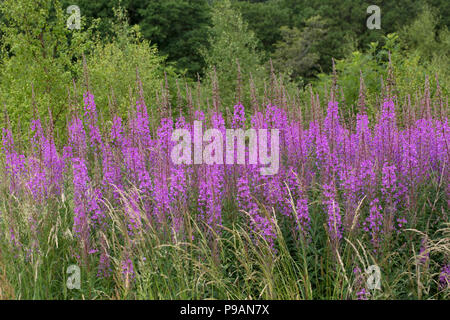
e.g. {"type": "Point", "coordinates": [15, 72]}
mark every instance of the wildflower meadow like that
{"type": "Point", "coordinates": [259, 168]}
{"type": "Point", "coordinates": [346, 196]}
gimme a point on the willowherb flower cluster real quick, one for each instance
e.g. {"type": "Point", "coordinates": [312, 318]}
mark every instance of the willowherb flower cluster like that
{"type": "Point", "coordinates": [129, 166]}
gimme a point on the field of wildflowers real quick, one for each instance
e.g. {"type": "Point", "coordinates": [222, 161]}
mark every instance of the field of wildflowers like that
{"type": "Point", "coordinates": [373, 190]}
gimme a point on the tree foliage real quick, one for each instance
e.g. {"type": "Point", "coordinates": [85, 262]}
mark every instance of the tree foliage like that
{"type": "Point", "coordinates": [39, 51]}
{"type": "Point", "coordinates": [297, 52]}
{"type": "Point", "coordinates": [113, 66]}
{"type": "Point", "coordinates": [179, 28]}
{"type": "Point", "coordinates": [230, 42]}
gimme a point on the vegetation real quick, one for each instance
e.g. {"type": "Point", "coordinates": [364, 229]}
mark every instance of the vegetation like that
{"type": "Point", "coordinates": [88, 180]}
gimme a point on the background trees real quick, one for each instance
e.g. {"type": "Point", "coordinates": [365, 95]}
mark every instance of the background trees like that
{"type": "Point", "coordinates": [297, 51]}
{"type": "Point", "coordinates": [189, 38]}
{"type": "Point", "coordinates": [39, 51]}
{"type": "Point", "coordinates": [40, 54]}
{"type": "Point", "coordinates": [180, 27]}
{"type": "Point", "coordinates": [229, 44]}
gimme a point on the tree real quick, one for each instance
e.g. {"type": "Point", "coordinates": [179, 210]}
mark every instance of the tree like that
{"type": "Point", "coordinates": [265, 18]}
{"type": "Point", "coordinates": [38, 50]}
{"type": "Point", "coordinates": [231, 40]}
{"type": "Point", "coordinates": [100, 11]}
{"type": "Point", "coordinates": [179, 28]}
{"type": "Point", "coordinates": [112, 65]}
{"type": "Point", "coordinates": [297, 54]}
{"type": "Point", "coordinates": [423, 35]}
{"type": "Point", "coordinates": [346, 23]}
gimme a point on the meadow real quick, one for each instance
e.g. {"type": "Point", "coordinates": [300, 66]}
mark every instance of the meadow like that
{"type": "Point", "coordinates": [118, 179]}
{"type": "Point", "coordinates": [350, 194]}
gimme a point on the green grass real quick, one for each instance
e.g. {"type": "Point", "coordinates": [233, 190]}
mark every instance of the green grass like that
{"type": "Point", "coordinates": [230, 263]}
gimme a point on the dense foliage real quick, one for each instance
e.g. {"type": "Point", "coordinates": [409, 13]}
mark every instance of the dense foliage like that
{"type": "Point", "coordinates": [113, 190]}
{"type": "Point", "coordinates": [88, 178]}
